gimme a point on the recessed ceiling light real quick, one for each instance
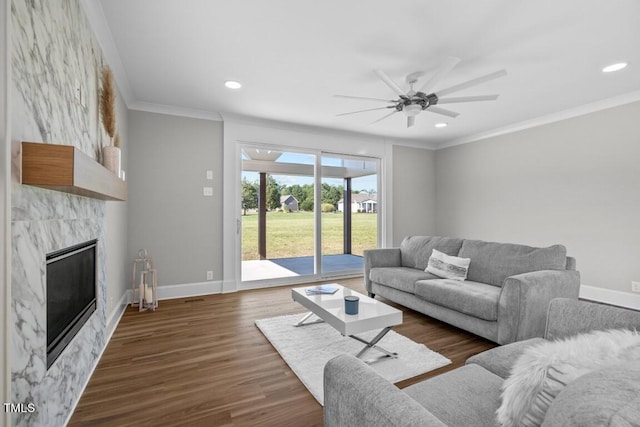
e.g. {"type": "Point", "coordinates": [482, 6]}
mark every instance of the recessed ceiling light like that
{"type": "Point", "coordinates": [231, 84]}
{"type": "Point", "coordinates": [441, 125]}
{"type": "Point", "coordinates": [614, 67]}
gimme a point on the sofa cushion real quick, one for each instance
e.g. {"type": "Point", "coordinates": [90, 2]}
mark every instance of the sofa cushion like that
{"type": "Point", "coordinates": [501, 359]}
{"type": "Point", "coordinates": [416, 250]}
{"type": "Point", "coordinates": [475, 299]}
{"type": "Point", "coordinates": [467, 396]}
{"type": "Point", "coordinates": [607, 397]}
{"type": "Point", "coordinates": [493, 262]}
{"type": "Point", "coordinates": [447, 266]}
{"type": "Point", "coordinates": [401, 278]}
{"type": "Point", "coordinates": [544, 370]}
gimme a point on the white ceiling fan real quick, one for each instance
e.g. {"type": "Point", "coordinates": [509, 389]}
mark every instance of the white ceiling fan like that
{"type": "Point", "coordinates": [412, 102]}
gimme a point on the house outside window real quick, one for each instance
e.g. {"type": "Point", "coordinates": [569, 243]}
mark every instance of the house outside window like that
{"type": "Point", "coordinates": [361, 202]}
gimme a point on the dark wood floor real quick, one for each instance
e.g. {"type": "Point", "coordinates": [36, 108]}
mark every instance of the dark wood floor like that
{"type": "Point", "coordinates": [202, 361]}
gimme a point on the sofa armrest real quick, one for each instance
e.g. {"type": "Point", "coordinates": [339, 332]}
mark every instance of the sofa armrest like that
{"type": "Point", "coordinates": [385, 257]}
{"type": "Point", "coordinates": [525, 298]}
{"type": "Point", "coordinates": [500, 360]}
{"type": "Point", "coordinates": [355, 395]}
{"type": "Point", "coordinates": [569, 317]}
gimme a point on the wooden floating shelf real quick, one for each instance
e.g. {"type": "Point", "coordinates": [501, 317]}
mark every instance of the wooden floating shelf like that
{"type": "Point", "coordinates": [65, 168]}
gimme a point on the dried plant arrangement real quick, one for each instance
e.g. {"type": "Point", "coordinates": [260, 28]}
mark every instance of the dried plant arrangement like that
{"type": "Point", "coordinates": [108, 103]}
{"type": "Point", "coordinates": [111, 155]}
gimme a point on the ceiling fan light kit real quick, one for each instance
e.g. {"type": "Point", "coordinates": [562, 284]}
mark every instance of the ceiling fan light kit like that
{"type": "Point", "coordinates": [412, 110]}
{"type": "Point", "coordinates": [413, 102]}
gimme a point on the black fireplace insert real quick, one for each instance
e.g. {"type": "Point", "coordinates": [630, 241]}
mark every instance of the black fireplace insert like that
{"type": "Point", "coordinates": [71, 294]}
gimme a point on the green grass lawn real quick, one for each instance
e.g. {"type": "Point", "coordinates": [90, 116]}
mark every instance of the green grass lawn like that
{"type": "Point", "coordinates": [291, 234]}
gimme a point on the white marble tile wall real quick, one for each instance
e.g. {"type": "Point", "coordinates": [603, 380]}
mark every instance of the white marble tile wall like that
{"type": "Point", "coordinates": [53, 48]}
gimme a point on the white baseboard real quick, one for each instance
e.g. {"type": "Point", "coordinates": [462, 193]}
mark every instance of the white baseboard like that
{"type": "Point", "coordinates": [186, 290]}
{"type": "Point", "coordinates": [610, 296]}
{"type": "Point", "coordinates": [116, 313]}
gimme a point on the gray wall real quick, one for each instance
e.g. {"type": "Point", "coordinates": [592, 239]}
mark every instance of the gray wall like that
{"type": "Point", "coordinates": [168, 215]}
{"type": "Point", "coordinates": [414, 189]}
{"type": "Point", "coordinates": [575, 182]}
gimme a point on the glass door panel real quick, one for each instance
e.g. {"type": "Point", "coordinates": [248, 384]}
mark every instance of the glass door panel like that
{"type": "Point", "coordinates": [349, 211]}
{"type": "Point", "coordinates": [277, 213]}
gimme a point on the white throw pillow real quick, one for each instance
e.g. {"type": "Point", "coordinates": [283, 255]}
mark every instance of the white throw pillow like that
{"type": "Point", "coordinates": [447, 266]}
{"type": "Point", "coordinates": [545, 369]}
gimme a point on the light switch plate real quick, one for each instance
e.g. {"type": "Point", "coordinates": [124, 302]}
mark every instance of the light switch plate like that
{"type": "Point", "coordinates": [210, 175]}
{"type": "Point", "coordinates": [207, 191]}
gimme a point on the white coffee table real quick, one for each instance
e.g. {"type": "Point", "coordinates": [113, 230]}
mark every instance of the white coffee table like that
{"type": "Point", "coordinates": [371, 315]}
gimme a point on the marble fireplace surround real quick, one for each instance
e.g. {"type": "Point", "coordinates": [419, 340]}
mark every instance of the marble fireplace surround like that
{"type": "Point", "coordinates": [53, 49]}
{"type": "Point", "coordinates": [45, 227]}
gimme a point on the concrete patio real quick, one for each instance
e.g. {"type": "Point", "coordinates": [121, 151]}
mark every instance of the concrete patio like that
{"type": "Point", "coordinates": [297, 266]}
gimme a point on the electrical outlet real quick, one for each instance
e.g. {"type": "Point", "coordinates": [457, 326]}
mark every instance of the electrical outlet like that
{"type": "Point", "coordinates": [209, 275]}
{"type": "Point", "coordinates": [635, 287]}
{"type": "Point", "coordinates": [207, 191]}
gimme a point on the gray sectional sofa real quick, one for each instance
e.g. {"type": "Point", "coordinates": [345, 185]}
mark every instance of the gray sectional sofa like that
{"type": "Point", "coordinates": [506, 293]}
{"type": "Point", "coordinates": [355, 395]}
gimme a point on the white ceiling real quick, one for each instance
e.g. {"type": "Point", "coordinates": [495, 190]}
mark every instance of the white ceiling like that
{"type": "Point", "coordinates": [293, 56]}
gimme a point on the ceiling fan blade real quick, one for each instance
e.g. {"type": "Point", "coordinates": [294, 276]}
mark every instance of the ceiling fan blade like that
{"type": "Point", "coordinates": [411, 120]}
{"type": "Point", "coordinates": [362, 111]}
{"type": "Point", "coordinates": [384, 117]}
{"type": "Point", "coordinates": [467, 99]}
{"type": "Point", "coordinates": [387, 80]}
{"type": "Point", "coordinates": [444, 69]}
{"type": "Point", "coordinates": [444, 112]}
{"type": "Point", "coordinates": [362, 97]}
{"type": "Point", "coordinates": [471, 83]}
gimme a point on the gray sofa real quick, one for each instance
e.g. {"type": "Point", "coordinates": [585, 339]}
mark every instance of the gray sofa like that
{"type": "Point", "coordinates": [355, 395]}
{"type": "Point", "coordinates": [504, 298]}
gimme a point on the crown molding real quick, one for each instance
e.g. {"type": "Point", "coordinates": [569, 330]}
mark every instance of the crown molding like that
{"type": "Point", "coordinates": [319, 130]}
{"type": "Point", "coordinates": [291, 126]}
{"type": "Point", "coordinates": [581, 110]}
{"type": "Point", "coordinates": [173, 110]}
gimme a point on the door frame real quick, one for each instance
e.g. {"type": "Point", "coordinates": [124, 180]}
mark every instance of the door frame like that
{"type": "Point", "coordinates": [239, 131]}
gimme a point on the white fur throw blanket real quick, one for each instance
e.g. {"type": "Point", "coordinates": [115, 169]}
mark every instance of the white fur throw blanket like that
{"type": "Point", "coordinates": [543, 370]}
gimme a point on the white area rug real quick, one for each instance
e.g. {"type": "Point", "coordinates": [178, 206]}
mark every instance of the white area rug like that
{"type": "Point", "coordinates": [307, 349]}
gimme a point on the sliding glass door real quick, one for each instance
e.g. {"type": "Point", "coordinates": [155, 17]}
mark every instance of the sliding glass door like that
{"type": "Point", "coordinates": [306, 214]}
